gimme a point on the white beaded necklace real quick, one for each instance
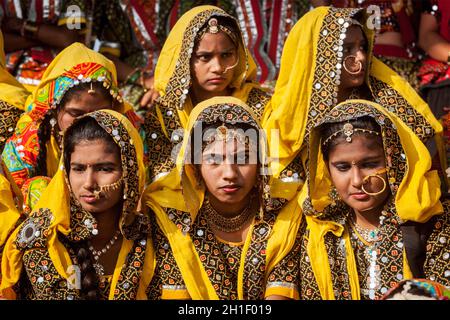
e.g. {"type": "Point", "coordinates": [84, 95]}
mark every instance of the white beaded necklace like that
{"type": "Point", "coordinates": [96, 254]}
{"type": "Point", "coordinates": [371, 238]}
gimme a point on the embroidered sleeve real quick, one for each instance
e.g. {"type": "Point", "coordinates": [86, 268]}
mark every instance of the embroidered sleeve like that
{"type": "Point", "coordinates": [437, 266]}
{"type": "Point", "coordinates": [159, 146]}
{"type": "Point", "coordinates": [283, 279]}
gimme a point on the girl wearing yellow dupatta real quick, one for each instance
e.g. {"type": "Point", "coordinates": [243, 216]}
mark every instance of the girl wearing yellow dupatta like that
{"type": "Point", "coordinates": [218, 234]}
{"type": "Point", "coordinates": [327, 58]}
{"type": "Point", "coordinates": [85, 239]}
{"type": "Point", "coordinates": [12, 99]}
{"type": "Point", "coordinates": [372, 211]}
{"type": "Point", "coordinates": [204, 56]}
{"type": "Point", "coordinates": [77, 81]}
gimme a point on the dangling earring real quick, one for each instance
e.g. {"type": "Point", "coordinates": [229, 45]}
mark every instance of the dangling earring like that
{"type": "Point", "coordinates": [334, 195]}
{"type": "Point", "coordinates": [53, 124]}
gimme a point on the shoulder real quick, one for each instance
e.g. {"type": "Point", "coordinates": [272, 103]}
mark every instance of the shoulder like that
{"type": "Point", "coordinates": [33, 231]}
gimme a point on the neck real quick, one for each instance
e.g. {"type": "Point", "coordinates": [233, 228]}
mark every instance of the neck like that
{"type": "Point", "coordinates": [229, 210]}
{"type": "Point", "coordinates": [199, 95]}
{"type": "Point", "coordinates": [369, 219]}
{"type": "Point", "coordinates": [107, 225]}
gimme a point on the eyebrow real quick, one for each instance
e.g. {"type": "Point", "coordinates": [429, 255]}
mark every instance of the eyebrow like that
{"type": "Point", "coordinates": [209, 52]}
{"type": "Point", "coordinates": [107, 163]}
{"type": "Point", "coordinates": [362, 160]}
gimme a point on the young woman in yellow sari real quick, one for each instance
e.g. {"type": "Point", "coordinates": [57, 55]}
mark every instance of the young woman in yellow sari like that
{"type": "Point", "coordinates": [372, 209]}
{"type": "Point", "coordinates": [77, 81]}
{"type": "Point", "coordinates": [219, 231]}
{"type": "Point", "coordinates": [204, 56]}
{"type": "Point", "coordinates": [327, 59]}
{"type": "Point", "coordinates": [85, 239]}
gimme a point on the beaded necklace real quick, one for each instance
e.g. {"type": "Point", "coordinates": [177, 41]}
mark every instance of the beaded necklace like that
{"type": "Point", "coordinates": [97, 253]}
{"type": "Point", "coordinates": [371, 239]}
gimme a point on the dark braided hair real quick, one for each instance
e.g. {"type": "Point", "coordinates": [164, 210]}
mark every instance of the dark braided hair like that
{"type": "Point", "coordinates": [328, 129]}
{"type": "Point", "coordinates": [45, 129]}
{"type": "Point", "coordinates": [86, 129]}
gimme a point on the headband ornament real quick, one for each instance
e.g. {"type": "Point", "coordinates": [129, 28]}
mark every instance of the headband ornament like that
{"type": "Point", "coordinates": [348, 130]}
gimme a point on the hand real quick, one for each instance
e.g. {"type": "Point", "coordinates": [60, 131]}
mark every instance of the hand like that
{"type": "Point", "coordinates": [151, 95]}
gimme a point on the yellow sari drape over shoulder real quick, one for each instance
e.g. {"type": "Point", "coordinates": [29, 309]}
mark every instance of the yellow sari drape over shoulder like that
{"type": "Point", "coordinates": [57, 201]}
{"type": "Point", "coordinates": [415, 191]}
{"type": "Point", "coordinates": [307, 86]}
{"type": "Point", "coordinates": [181, 191]}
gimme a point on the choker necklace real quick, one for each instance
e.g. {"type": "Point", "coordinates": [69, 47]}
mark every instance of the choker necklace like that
{"type": "Point", "coordinates": [368, 235]}
{"type": "Point", "coordinates": [96, 254]}
{"type": "Point", "coordinates": [225, 224]}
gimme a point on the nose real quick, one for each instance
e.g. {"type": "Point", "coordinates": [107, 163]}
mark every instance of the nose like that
{"type": "Point", "coordinates": [357, 177]}
{"type": "Point", "coordinates": [361, 56]}
{"type": "Point", "coordinates": [90, 183]}
{"type": "Point", "coordinates": [229, 172]}
{"type": "Point", "coordinates": [216, 65]}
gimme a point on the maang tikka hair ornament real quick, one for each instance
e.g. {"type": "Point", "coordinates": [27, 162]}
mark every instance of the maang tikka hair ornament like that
{"type": "Point", "coordinates": [348, 130]}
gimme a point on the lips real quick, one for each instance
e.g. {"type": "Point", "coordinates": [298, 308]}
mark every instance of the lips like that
{"type": "Point", "coordinates": [230, 188]}
{"type": "Point", "coordinates": [89, 198]}
{"type": "Point", "coordinates": [216, 80]}
{"type": "Point", "coordinates": [360, 196]}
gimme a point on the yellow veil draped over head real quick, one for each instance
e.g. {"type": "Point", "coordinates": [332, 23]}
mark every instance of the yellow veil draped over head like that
{"type": "Point", "coordinates": [173, 75]}
{"type": "Point", "coordinates": [11, 90]}
{"type": "Point", "coordinates": [74, 65]}
{"type": "Point", "coordinates": [415, 189]}
{"type": "Point", "coordinates": [307, 86]}
{"type": "Point", "coordinates": [67, 218]}
{"type": "Point", "coordinates": [180, 190]}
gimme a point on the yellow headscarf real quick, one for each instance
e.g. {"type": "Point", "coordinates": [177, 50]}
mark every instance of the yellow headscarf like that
{"type": "Point", "coordinates": [128, 139]}
{"type": "Point", "coordinates": [74, 65]}
{"type": "Point", "coordinates": [180, 190]}
{"type": "Point", "coordinates": [172, 73]}
{"type": "Point", "coordinates": [415, 189]}
{"type": "Point", "coordinates": [11, 90]}
{"type": "Point", "coordinates": [307, 86]}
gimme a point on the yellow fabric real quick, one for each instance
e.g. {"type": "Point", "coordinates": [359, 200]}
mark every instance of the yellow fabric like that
{"type": "Point", "coordinates": [72, 56]}
{"type": "Point", "coordinates": [175, 294]}
{"type": "Point", "coordinates": [288, 109]}
{"type": "Point", "coordinates": [11, 90]}
{"type": "Point", "coordinates": [417, 199]}
{"type": "Point", "coordinates": [8, 211]}
{"type": "Point", "coordinates": [59, 206]}
{"type": "Point", "coordinates": [124, 250]}
{"type": "Point", "coordinates": [244, 73]}
{"type": "Point", "coordinates": [180, 190]}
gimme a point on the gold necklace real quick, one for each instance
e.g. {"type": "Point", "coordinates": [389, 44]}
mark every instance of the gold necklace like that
{"type": "Point", "coordinates": [225, 224]}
